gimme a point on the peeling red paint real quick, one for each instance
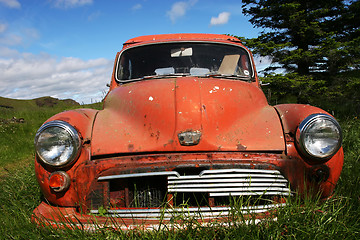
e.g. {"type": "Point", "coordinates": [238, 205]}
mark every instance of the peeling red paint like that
{"type": "Point", "coordinates": [241, 147]}
{"type": "Point", "coordinates": [131, 147]}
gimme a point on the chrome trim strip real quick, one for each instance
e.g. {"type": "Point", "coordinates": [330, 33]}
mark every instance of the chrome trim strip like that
{"type": "Point", "coordinates": [201, 212]}
{"type": "Point", "coordinates": [132, 175]}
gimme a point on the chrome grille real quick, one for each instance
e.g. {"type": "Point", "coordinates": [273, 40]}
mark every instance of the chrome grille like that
{"type": "Point", "coordinates": [205, 194]}
{"type": "Point", "coordinates": [231, 182]}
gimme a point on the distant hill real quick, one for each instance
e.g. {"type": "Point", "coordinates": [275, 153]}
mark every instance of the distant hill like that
{"type": "Point", "coordinates": [18, 105]}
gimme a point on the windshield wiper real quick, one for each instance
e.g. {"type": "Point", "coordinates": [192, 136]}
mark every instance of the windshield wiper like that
{"type": "Point", "coordinates": [172, 75]}
{"type": "Point", "coordinates": [228, 76]}
{"type": "Point", "coordinates": [176, 75]}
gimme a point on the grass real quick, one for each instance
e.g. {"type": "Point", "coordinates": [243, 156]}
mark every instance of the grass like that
{"type": "Point", "coordinates": [336, 218]}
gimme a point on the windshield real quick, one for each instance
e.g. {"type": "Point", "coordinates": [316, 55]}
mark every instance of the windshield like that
{"type": "Point", "coordinates": [181, 59]}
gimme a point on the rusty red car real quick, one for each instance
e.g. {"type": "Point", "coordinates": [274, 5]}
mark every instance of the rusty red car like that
{"type": "Point", "coordinates": [185, 129]}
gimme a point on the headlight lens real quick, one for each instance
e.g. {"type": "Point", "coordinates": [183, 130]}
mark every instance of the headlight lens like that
{"type": "Point", "coordinates": [57, 143]}
{"type": "Point", "coordinates": [319, 136]}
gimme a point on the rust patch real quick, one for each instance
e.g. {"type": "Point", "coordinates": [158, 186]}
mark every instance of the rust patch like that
{"type": "Point", "coordinates": [131, 147]}
{"type": "Point", "coordinates": [169, 142]}
{"type": "Point", "coordinates": [241, 147]}
{"type": "Point", "coordinates": [157, 135]}
{"type": "Point", "coordinates": [65, 119]}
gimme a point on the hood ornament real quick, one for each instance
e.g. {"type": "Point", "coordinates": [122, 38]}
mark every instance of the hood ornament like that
{"type": "Point", "coordinates": [189, 138]}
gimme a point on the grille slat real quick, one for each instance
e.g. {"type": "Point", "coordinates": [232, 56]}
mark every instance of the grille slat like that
{"type": "Point", "coordinates": [228, 180]}
{"type": "Point", "coordinates": [225, 185]}
{"type": "Point", "coordinates": [231, 175]}
{"type": "Point", "coordinates": [230, 190]}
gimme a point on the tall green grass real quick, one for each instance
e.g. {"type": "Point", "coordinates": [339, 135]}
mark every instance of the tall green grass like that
{"type": "Point", "coordinates": [336, 218]}
{"type": "Point", "coordinates": [299, 219]}
{"type": "Point", "coordinates": [16, 139]}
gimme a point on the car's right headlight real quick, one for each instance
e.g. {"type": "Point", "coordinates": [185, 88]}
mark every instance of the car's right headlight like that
{"type": "Point", "coordinates": [319, 136]}
{"type": "Point", "coordinates": [57, 143]}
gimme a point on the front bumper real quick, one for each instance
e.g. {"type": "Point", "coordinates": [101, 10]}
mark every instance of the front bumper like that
{"type": "Point", "coordinates": [151, 219]}
{"type": "Point", "coordinates": [153, 190]}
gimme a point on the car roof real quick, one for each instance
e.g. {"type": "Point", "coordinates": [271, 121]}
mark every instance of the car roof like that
{"type": "Point", "coordinates": [180, 36]}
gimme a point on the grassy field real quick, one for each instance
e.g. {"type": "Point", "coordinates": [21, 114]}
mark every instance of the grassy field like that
{"type": "Point", "coordinates": [336, 218]}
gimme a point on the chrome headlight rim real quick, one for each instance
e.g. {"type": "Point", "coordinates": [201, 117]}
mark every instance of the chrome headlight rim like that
{"type": "Point", "coordinates": [306, 124]}
{"type": "Point", "coordinates": [73, 134]}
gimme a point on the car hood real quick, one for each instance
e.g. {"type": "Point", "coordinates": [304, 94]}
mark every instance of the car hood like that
{"type": "Point", "coordinates": [148, 116]}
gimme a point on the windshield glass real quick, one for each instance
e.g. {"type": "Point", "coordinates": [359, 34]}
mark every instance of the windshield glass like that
{"type": "Point", "coordinates": [179, 59]}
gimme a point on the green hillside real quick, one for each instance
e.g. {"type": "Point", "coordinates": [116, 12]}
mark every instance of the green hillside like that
{"type": "Point", "coordinates": [34, 104]}
{"type": "Point", "coordinates": [19, 121]}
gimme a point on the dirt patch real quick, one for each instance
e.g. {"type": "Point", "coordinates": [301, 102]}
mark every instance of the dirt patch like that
{"type": "Point", "coordinates": [9, 168]}
{"type": "Point", "coordinates": [70, 102]}
{"type": "Point", "coordinates": [46, 102]}
{"type": "Point", "coordinates": [12, 120]}
{"type": "Point", "coordinates": [4, 106]}
{"type": "Point", "coordinates": [51, 102]}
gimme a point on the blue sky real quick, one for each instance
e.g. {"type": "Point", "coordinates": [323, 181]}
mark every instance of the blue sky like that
{"type": "Point", "coordinates": [66, 48]}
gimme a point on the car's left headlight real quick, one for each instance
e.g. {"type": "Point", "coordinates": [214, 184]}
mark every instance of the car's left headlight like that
{"type": "Point", "coordinates": [57, 143]}
{"type": "Point", "coordinates": [319, 136]}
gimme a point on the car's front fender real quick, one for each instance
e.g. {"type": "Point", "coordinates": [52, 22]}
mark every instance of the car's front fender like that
{"type": "Point", "coordinates": [291, 116]}
{"type": "Point", "coordinates": [82, 120]}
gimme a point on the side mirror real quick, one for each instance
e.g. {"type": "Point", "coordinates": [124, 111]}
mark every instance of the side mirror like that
{"type": "Point", "coordinates": [264, 84]}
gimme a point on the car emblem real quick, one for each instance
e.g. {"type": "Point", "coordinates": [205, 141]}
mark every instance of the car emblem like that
{"type": "Point", "coordinates": [189, 138]}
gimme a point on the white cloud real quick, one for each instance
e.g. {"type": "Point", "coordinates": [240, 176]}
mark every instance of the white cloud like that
{"type": "Point", "coordinates": [11, 3]}
{"type": "Point", "coordinates": [71, 3]}
{"type": "Point", "coordinates": [70, 64]}
{"type": "Point", "coordinates": [94, 15]}
{"type": "Point", "coordinates": [11, 40]}
{"type": "Point", "coordinates": [262, 62]}
{"type": "Point", "coordinates": [29, 76]}
{"type": "Point", "coordinates": [19, 37]}
{"type": "Point", "coordinates": [3, 27]}
{"type": "Point", "coordinates": [8, 52]}
{"type": "Point", "coordinates": [222, 18]}
{"type": "Point", "coordinates": [30, 33]}
{"type": "Point", "coordinates": [179, 9]}
{"type": "Point", "coordinates": [136, 7]}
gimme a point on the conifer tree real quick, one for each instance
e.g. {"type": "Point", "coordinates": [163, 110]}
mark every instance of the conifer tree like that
{"type": "Point", "coordinates": [306, 36]}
